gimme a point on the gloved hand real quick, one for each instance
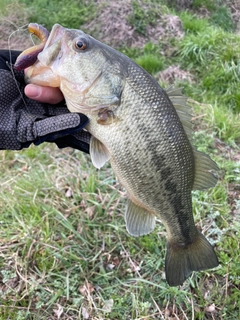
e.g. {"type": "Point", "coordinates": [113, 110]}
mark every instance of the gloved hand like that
{"type": "Point", "coordinates": [24, 121]}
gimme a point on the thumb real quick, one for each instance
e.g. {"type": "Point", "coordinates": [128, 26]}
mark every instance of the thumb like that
{"type": "Point", "coordinates": [43, 94]}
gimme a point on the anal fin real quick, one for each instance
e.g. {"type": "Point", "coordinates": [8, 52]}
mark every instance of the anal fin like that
{"type": "Point", "coordinates": [139, 221]}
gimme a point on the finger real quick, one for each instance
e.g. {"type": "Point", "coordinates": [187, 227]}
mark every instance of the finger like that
{"type": "Point", "coordinates": [43, 94]}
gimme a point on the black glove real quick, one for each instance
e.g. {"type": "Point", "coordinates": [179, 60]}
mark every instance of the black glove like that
{"type": "Point", "coordinates": [24, 121]}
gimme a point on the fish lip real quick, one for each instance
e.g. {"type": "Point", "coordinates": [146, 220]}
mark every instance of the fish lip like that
{"type": "Point", "coordinates": [56, 33]}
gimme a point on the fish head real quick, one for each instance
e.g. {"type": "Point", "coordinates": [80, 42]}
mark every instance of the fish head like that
{"type": "Point", "coordinates": [89, 73]}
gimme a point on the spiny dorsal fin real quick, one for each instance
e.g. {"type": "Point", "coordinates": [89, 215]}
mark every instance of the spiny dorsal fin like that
{"type": "Point", "coordinates": [138, 220]}
{"type": "Point", "coordinates": [205, 171]}
{"type": "Point", "coordinates": [98, 152]}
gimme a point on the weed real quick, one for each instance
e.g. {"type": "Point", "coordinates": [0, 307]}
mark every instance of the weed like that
{"type": "Point", "coordinates": [209, 54]}
{"type": "Point", "coordinates": [203, 46]}
{"type": "Point", "coordinates": [143, 15]}
{"type": "Point", "coordinates": [222, 17]}
{"type": "Point", "coordinates": [210, 5]}
{"type": "Point", "coordinates": [193, 24]}
{"type": "Point", "coordinates": [227, 124]}
{"type": "Point", "coordinates": [150, 62]}
{"type": "Point", "coordinates": [71, 14]}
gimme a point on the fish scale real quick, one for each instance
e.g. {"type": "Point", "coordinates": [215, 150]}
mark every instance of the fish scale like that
{"type": "Point", "coordinates": [146, 134]}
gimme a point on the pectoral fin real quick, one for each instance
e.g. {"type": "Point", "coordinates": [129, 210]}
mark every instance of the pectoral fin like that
{"type": "Point", "coordinates": [138, 220]}
{"type": "Point", "coordinates": [98, 152]}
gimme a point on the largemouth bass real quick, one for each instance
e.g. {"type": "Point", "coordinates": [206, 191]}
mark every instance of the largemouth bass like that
{"type": "Point", "coordinates": [144, 131]}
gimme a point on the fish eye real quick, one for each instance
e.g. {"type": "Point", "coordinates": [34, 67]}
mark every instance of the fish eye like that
{"type": "Point", "coordinates": [81, 44]}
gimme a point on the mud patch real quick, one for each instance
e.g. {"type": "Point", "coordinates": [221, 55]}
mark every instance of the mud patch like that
{"type": "Point", "coordinates": [112, 26]}
{"type": "Point", "coordinates": [174, 73]}
{"type": "Point", "coordinates": [9, 279]}
{"type": "Point", "coordinates": [169, 26]}
{"type": "Point", "coordinates": [227, 151]}
{"type": "Point", "coordinates": [234, 198]}
{"type": "Point", "coordinates": [234, 7]}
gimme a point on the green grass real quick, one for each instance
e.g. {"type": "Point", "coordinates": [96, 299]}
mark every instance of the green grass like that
{"type": "Point", "coordinates": [216, 12]}
{"type": "Point", "coordinates": [213, 55]}
{"type": "Point", "coordinates": [150, 62]}
{"type": "Point", "coordinates": [71, 14]}
{"type": "Point", "coordinates": [143, 14]}
{"type": "Point", "coordinates": [65, 245]}
{"type": "Point", "coordinates": [209, 5]}
{"type": "Point", "coordinates": [65, 252]}
{"type": "Point", "coordinates": [191, 23]}
{"type": "Point", "coordinates": [222, 18]}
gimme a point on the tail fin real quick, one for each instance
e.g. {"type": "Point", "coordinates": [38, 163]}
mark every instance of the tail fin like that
{"type": "Point", "coordinates": [182, 260]}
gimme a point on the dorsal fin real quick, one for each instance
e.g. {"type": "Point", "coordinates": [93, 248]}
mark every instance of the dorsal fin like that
{"type": "Point", "coordinates": [179, 102]}
{"type": "Point", "coordinates": [205, 175]}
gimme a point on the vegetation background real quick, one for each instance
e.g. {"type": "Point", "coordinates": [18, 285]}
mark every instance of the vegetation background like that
{"type": "Point", "coordinates": [64, 250]}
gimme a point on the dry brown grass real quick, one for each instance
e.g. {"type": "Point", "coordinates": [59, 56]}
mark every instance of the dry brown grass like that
{"type": "Point", "coordinates": [13, 25]}
{"type": "Point", "coordinates": [234, 6]}
{"type": "Point", "coordinates": [174, 73]}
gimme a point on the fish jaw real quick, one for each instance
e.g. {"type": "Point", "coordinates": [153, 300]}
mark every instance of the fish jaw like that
{"type": "Point", "coordinates": [41, 75]}
{"type": "Point", "coordinates": [42, 72]}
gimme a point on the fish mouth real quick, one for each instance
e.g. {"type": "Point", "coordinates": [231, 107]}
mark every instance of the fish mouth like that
{"type": "Point", "coordinates": [54, 47]}
{"type": "Point", "coordinates": [42, 72]}
{"type": "Point", "coordinates": [56, 33]}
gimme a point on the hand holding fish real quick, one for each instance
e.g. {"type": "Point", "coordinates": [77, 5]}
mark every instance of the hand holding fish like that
{"type": "Point", "coordinates": [24, 121]}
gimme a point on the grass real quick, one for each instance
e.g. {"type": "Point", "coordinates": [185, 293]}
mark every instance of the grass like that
{"type": "Point", "coordinates": [213, 54]}
{"type": "Point", "coordinates": [72, 14]}
{"type": "Point", "coordinates": [65, 252]}
{"type": "Point", "coordinates": [65, 248]}
{"type": "Point", "coordinates": [143, 14]}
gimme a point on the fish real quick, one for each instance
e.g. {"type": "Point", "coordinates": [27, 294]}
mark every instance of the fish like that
{"type": "Point", "coordinates": [146, 134]}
